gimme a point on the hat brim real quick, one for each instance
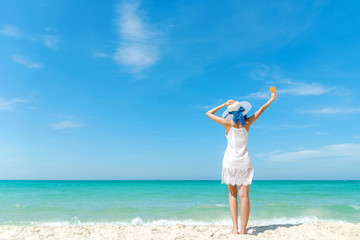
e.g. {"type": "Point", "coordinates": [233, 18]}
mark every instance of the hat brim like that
{"type": "Point", "coordinates": [244, 104]}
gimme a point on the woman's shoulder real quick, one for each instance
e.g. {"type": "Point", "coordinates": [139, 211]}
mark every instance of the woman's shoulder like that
{"type": "Point", "coordinates": [247, 125]}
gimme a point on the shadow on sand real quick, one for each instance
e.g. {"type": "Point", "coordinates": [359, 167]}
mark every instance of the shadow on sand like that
{"type": "Point", "coordinates": [260, 229]}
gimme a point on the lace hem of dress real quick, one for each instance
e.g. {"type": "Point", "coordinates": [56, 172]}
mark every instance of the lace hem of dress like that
{"type": "Point", "coordinates": [236, 176]}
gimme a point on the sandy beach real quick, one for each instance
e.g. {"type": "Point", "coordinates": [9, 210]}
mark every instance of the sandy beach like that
{"type": "Point", "coordinates": [328, 231]}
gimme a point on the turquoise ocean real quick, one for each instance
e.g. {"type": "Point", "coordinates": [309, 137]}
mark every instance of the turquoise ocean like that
{"type": "Point", "coordinates": [171, 202]}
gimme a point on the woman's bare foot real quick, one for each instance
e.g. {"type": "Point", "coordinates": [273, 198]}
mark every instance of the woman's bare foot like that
{"type": "Point", "coordinates": [242, 233]}
{"type": "Point", "coordinates": [234, 231]}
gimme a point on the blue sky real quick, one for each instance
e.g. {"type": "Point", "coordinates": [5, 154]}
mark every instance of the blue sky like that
{"type": "Point", "coordinates": [119, 89]}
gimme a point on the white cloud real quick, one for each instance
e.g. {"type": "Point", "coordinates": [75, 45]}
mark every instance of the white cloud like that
{"type": "Point", "coordinates": [258, 74]}
{"type": "Point", "coordinates": [8, 105]}
{"type": "Point", "coordinates": [322, 133]}
{"type": "Point", "coordinates": [130, 24]}
{"type": "Point", "coordinates": [137, 49]}
{"type": "Point", "coordinates": [136, 55]}
{"type": "Point", "coordinates": [283, 126]}
{"type": "Point", "coordinates": [331, 110]}
{"type": "Point", "coordinates": [100, 54]}
{"type": "Point", "coordinates": [337, 152]}
{"type": "Point", "coordinates": [272, 75]}
{"type": "Point", "coordinates": [294, 126]}
{"type": "Point", "coordinates": [27, 63]}
{"type": "Point", "coordinates": [293, 88]}
{"type": "Point", "coordinates": [257, 95]}
{"type": "Point", "coordinates": [11, 31]}
{"type": "Point", "coordinates": [301, 88]}
{"type": "Point", "coordinates": [68, 116]}
{"type": "Point", "coordinates": [259, 70]}
{"type": "Point", "coordinates": [265, 155]}
{"type": "Point", "coordinates": [50, 41]}
{"type": "Point", "coordinates": [202, 107]}
{"type": "Point", "coordinates": [66, 125]}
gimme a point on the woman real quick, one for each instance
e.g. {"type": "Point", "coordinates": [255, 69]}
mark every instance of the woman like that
{"type": "Point", "coordinates": [237, 167]}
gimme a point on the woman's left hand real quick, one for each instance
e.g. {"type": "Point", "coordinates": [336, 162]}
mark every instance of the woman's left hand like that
{"type": "Point", "coordinates": [229, 102]}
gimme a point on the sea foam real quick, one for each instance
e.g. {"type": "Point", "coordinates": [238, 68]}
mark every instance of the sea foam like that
{"type": "Point", "coordinates": [161, 222]}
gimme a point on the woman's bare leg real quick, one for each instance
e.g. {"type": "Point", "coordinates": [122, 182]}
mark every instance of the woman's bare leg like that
{"type": "Point", "coordinates": [244, 207]}
{"type": "Point", "coordinates": [233, 204]}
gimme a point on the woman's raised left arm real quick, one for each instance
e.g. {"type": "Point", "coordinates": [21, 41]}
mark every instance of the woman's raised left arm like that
{"type": "Point", "coordinates": [212, 116]}
{"type": "Point", "coordinates": [257, 114]}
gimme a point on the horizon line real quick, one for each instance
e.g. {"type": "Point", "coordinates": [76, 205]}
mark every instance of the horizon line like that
{"type": "Point", "coordinates": [173, 180]}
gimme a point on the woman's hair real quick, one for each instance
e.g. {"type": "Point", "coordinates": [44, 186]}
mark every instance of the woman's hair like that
{"type": "Point", "coordinates": [245, 117]}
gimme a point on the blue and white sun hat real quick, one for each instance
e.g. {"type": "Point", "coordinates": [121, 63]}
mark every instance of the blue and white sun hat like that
{"type": "Point", "coordinates": [236, 111]}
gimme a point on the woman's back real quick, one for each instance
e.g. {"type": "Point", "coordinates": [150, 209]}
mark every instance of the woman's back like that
{"type": "Point", "coordinates": [237, 153]}
{"type": "Point", "coordinates": [237, 137]}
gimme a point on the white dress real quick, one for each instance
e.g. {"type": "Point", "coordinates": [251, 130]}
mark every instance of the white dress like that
{"type": "Point", "coordinates": [237, 167]}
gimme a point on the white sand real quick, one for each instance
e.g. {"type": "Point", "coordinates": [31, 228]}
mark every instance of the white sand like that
{"type": "Point", "coordinates": [316, 231]}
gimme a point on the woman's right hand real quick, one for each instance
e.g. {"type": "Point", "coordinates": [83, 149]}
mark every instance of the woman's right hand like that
{"type": "Point", "coordinates": [229, 102]}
